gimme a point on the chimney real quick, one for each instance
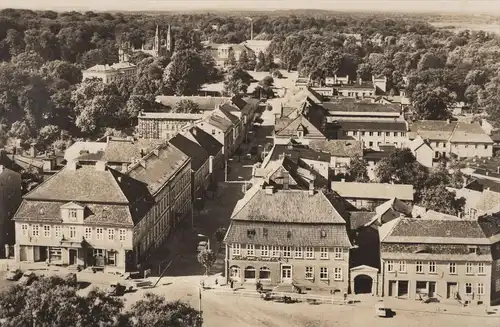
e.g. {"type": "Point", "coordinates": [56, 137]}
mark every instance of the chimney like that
{"type": "Point", "coordinates": [100, 165]}
{"type": "Point", "coordinates": [269, 190]}
{"type": "Point", "coordinates": [311, 187]}
{"type": "Point", "coordinates": [33, 150]}
{"type": "Point", "coordinates": [124, 167]}
{"type": "Point", "coordinates": [286, 180]}
{"type": "Point", "coordinates": [72, 165]}
{"type": "Point", "coordinates": [211, 164]}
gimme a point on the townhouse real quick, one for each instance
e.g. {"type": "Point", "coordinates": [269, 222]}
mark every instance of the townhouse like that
{"type": "Point", "coordinates": [285, 238]}
{"type": "Point", "coordinates": [370, 195]}
{"type": "Point", "coordinates": [465, 140]}
{"type": "Point", "coordinates": [91, 215]}
{"type": "Point", "coordinates": [213, 147]}
{"type": "Point", "coordinates": [163, 125]}
{"type": "Point", "coordinates": [341, 152]}
{"type": "Point", "coordinates": [222, 130]}
{"type": "Point", "coordinates": [442, 258]}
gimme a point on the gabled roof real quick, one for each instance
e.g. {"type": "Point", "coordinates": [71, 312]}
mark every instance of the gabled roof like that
{"type": "Point", "coordinates": [433, 129]}
{"type": "Point", "coordinates": [431, 214]}
{"type": "Point", "coordinates": [383, 191]}
{"type": "Point", "coordinates": [218, 122]}
{"type": "Point", "coordinates": [126, 150]}
{"type": "Point", "coordinates": [338, 148]}
{"type": "Point", "coordinates": [193, 150]}
{"type": "Point", "coordinates": [359, 219]}
{"type": "Point", "coordinates": [488, 201]}
{"type": "Point", "coordinates": [85, 184]}
{"type": "Point", "coordinates": [287, 207]}
{"type": "Point", "coordinates": [481, 184]}
{"type": "Point", "coordinates": [470, 133]}
{"type": "Point", "coordinates": [205, 140]}
{"type": "Point", "coordinates": [286, 127]}
{"type": "Point", "coordinates": [418, 143]}
{"type": "Point", "coordinates": [296, 152]}
{"type": "Point", "coordinates": [225, 113]}
{"type": "Point", "coordinates": [365, 107]}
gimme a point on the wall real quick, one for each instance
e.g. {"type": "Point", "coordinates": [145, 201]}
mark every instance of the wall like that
{"type": "Point", "coordinates": [424, 155]}
{"type": "Point", "coordinates": [10, 199]}
{"type": "Point", "coordinates": [495, 273]}
{"type": "Point", "coordinates": [373, 139]}
{"type": "Point", "coordinates": [470, 150]}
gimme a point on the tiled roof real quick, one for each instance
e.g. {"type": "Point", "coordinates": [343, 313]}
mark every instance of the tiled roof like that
{"type": "Point", "coordinates": [358, 219]}
{"type": "Point", "coordinates": [352, 106]}
{"type": "Point", "coordinates": [411, 230]}
{"type": "Point", "coordinates": [218, 122]}
{"type": "Point", "coordinates": [204, 103]}
{"type": "Point", "coordinates": [372, 155]}
{"type": "Point", "coordinates": [125, 150]}
{"type": "Point", "coordinates": [287, 207]}
{"type": "Point", "coordinates": [470, 133]}
{"type": "Point", "coordinates": [95, 214]}
{"type": "Point", "coordinates": [170, 116]}
{"type": "Point", "coordinates": [297, 152]}
{"type": "Point", "coordinates": [433, 129]}
{"type": "Point", "coordinates": [436, 257]}
{"type": "Point", "coordinates": [297, 99]}
{"type": "Point", "coordinates": [78, 148]}
{"type": "Point", "coordinates": [299, 175]}
{"type": "Point", "coordinates": [339, 148]}
{"type": "Point", "coordinates": [431, 214]}
{"type": "Point", "coordinates": [488, 200]}
{"type": "Point", "coordinates": [160, 165]}
{"type": "Point", "coordinates": [197, 154]}
{"type": "Point", "coordinates": [286, 127]}
{"type": "Point", "coordinates": [377, 126]}
{"type": "Point", "coordinates": [481, 184]}
{"type": "Point", "coordinates": [205, 140]}
{"type": "Point", "coordinates": [85, 184]}
{"type": "Point", "coordinates": [287, 234]}
{"type": "Point", "coordinates": [490, 224]}
{"type": "Point", "coordinates": [225, 113]}
{"type": "Point", "coordinates": [373, 190]}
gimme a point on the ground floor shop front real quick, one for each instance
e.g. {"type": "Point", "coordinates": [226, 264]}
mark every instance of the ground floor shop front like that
{"type": "Point", "coordinates": [85, 257]}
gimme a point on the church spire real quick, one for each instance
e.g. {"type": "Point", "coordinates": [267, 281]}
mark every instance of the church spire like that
{"type": "Point", "coordinates": [156, 46]}
{"type": "Point", "coordinates": [169, 39]}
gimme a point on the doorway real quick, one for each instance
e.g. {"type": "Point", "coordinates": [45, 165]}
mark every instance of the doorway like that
{"type": "Point", "coordinates": [432, 289]}
{"type": "Point", "coordinates": [392, 288]}
{"type": "Point", "coordinates": [451, 290]}
{"type": "Point", "coordinates": [363, 284]}
{"type": "Point", "coordinates": [73, 254]}
{"type": "Point", "coordinates": [403, 288]}
{"type": "Point", "coordinates": [286, 274]}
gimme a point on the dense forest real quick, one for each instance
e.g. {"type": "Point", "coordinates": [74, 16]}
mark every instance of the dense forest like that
{"type": "Point", "coordinates": [42, 98]}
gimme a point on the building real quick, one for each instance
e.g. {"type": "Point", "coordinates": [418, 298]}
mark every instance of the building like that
{"type": "Point", "coordinates": [257, 45]}
{"type": "Point", "coordinates": [356, 90]}
{"type": "Point", "coordinates": [213, 147]}
{"type": "Point", "coordinates": [220, 51]}
{"type": "Point", "coordinates": [10, 199]}
{"type": "Point", "coordinates": [204, 103]}
{"type": "Point", "coordinates": [161, 47]}
{"type": "Point", "coordinates": [222, 130]}
{"type": "Point", "coordinates": [244, 109]}
{"type": "Point", "coordinates": [341, 152]}
{"type": "Point", "coordinates": [288, 238]}
{"type": "Point", "coordinates": [371, 195]}
{"type": "Point", "coordinates": [110, 73]}
{"type": "Point", "coordinates": [346, 109]}
{"type": "Point", "coordinates": [465, 140]}
{"type": "Point", "coordinates": [422, 151]}
{"type": "Point", "coordinates": [336, 80]}
{"type": "Point", "coordinates": [163, 125]}
{"type": "Point", "coordinates": [95, 216]}
{"type": "Point", "coordinates": [441, 258]}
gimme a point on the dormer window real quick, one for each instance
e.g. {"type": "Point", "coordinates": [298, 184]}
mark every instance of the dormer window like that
{"type": "Point", "coordinates": [323, 234]}
{"type": "Point", "coordinates": [72, 214]}
{"type": "Point", "coordinates": [473, 250]}
{"type": "Point", "coordinates": [251, 233]}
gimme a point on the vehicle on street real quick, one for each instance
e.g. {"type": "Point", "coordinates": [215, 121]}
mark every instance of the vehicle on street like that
{"type": "Point", "coordinates": [116, 289]}
{"type": "Point", "coordinates": [27, 279]}
{"type": "Point", "coordinates": [14, 275]}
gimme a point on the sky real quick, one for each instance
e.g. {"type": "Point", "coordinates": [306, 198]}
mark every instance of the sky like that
{"type": "Point", "coordinates": [459, 6]}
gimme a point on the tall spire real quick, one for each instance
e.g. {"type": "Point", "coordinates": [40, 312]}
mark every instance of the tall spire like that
{"type": "Point", "coordinates": [156, 46]}
{"type": "Point", "coordinates": [169, 39]}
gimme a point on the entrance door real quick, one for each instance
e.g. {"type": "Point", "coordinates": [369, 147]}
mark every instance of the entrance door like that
{"type": "Point", "coordinates": [286, 274]}
{"type": "Point", "coordinates": [451, 290]}
{"type": "Point", "coordinates": [392, 288]}
{"type": "Point", "coordinates": [432, 289]}
{"type": "Point", "coordinates": [73, 253]}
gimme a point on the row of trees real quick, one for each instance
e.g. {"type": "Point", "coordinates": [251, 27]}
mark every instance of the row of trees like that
{"type": "Point", "coordinates": [430, 185]}
{"type": "Point", "coordinates": [55, 302]}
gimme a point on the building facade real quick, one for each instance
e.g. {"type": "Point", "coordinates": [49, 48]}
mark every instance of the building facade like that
{"type": "Point", "coordinates": [163, 125]}
{"type": "Point", "coordinates": [10, 199]}
{"type": "Point", "coordinates": [110, 73]}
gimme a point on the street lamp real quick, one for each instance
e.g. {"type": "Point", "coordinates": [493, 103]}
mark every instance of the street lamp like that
{"type": "Point", "coordinates": [208, 240]}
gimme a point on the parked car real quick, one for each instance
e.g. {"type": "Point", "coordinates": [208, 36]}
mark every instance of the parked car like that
{"type": "Point", "coordinates": [27, 279]}
{"type": "Point", "coordinates": [116, 289]}
{"type": "Point", "coordinates": [14, 275]}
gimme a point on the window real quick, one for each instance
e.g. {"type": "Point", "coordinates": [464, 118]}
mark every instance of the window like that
{"type": "Point", "coordinates": [468, 288]}
{"type": "Point", "coordinates": [432, 267]}
{"type": "Point", "coordinates": [36, 230]}
{"type": "Point", "coordinates": [498, 265]}
{"type": "Point", "coordinates": [58, 231]}
{"type": "Point", "coordinates": [264, 273]}
{"type": "Point", "coordinates": [419, 267]}
{"type": "Point", "coordinates": [323, 233]}
{"type": "Point", "coordinates": [235, 249]}
{"type": "Point", "coordinates": [337, 275]}
{"type": "Point", "coordinates": [379, 133]}
{"type": "Point", "coordinates": [111, 234]}
{"type": "Point", "coordinates": [452, 267]}
{"type": "Point", "coordinates": [473, 250]}
{"type": "Point", "coordinates": [24, 228]}
{"type": "Point", "coordinates": [298, 252]}
{"type": "Point", "coordinates": [469, 269]}
{"type": "Point", "coordinates": [123, 234]}
{"type": "Point", "coordinates": [309, 272]}
{"type": "Point", "coordinates": [287, 251]}
{"type": "Point", "coordinates": [371, 133]}
{"type": "Point", "coordinates": [88, 233]}
{"type": "Point", "coordinates": [264, 232]}
{"type": "Point", "coordinates": [46, 231]}
{"type": "Point", "coordinates": [55, 254]}
{"type": "Point", "coordinates": [323, 273]}
{"type": "Point", "coordinates": [264, 250]}
{"type": "Point", "coordinates": [309, 252]}
{"type": "Point", "coordinates": [99, 233]}
{"type": "Point", "coordinates": [111, 258]}
{"type": "Point", "coordinates": [403, 134]}
{"type": "Point", "coordinates": [362, 133]}
{"type": "Point", "coordinates": [250, 250]}
{"type": "Point", "coordinates": [480, 288]}
{"type": "Point", "coordinates": [72, 214]}
{"type": "Point", "coordinates": [390, 266]}
{"type": "Point", "coordinates": [275, 251]}
{"type": "Point", "coordinates": [402, 266]}
{"type": "Point", "coordinates": [480, 268]}
{"type": "Point", "coordinates": [72, 232]}
{"type": "Point", "coordinates": [387, 133]}
{"type": "Point", "coordinates": [395, 133]}
{"type": "Point", "coordinates": [355, 133]}
{"type": "Point", "coordinates": [370, 143]}
{"type": "Point", "coordinates": [338, 253]}
{"type": "Point", "coordinates": [323, 253]}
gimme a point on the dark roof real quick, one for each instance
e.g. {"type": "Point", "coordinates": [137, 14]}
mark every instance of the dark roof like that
{"type": "Point", "coordinates": [364, 86]}
{"type": "Point", "coordinates": [207, 141]}
{"type": "Point", "coordinates": [298, 152]}
{"type": "Point", "coordinates": [228, 115]}
{"type": "Point", "coordinates": [357, 219]}
{"type": "Point", "coordinates": [376, 126]}
{"type": "Point", "coordinates": [410, 227]}
{"type": "Point", "coordinates": [339, 148]}
{"type": "Point", "coordinates": [360, 107]}
{"type": "Point", "coordinates": [490, 224]}
{"type": "Point", "coordinates": [126, 150]}
{"type": "Point", "coordinates": [286, 234]}
{"type": "Point", "coordinates": [197, 154]}
{"type": "Point", "coordinates": [85, 184]}
{"type": "Point", "coordinates": [481, 184]}
{"type": "Point", "coordinates": [290, 206]}
{"type": "Point", "coordinates": [238, 102]}
{"type": "Point", "coordinates": [372, 155]}
{"type": "Point", "coordinates": [204, 103]}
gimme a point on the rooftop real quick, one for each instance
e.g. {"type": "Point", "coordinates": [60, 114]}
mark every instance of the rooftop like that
{"type": "Point", "coordinates": [127, 150]}
{"type": "Point", "coordinates": [204, 103]}
{"type": "Point", "coordinates": [170, 116]}
{"type": "Point", "coordinates": [338, 148]}
{"type": "Point", "coordinates": [458, 132]}
{"type": "Point", "coordinates": [197, 154]}
{"type": "Point", "coordinates": [364, 107]}
{"type": "Point", "coordinates": [380, 191]}
{"type": "Point", "coordinates": [297, 152]}
{"type": "Point", "coordinates": [376, 126]}
{"type": "Point", "coordinates": [286, 127]}
{"type": "Point", "coordinates": [205, 140]}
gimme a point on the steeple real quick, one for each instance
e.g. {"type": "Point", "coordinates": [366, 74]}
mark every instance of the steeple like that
{"type": "Point", "coordinates": [169, 40]}
{"type": "Point", "coordinates": [156, 46]}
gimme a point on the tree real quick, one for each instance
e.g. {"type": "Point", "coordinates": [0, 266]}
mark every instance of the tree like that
{"type": "Point", "coordinates": [236, 82]}
{"type": "Point", "coordinates": [59, 69]}
{"type": "Point", "coordinates": [431, 103]}
{"type": "Point", "coordinates": [261, 63]}
{"type": "Point", "coordinates": [185, 74]}
{"type": "Point", "coordinates": [186, 106]}
{"type": "Point", "coordinates": [490, 98]}
{"type": "Point", "coordinates": [154, 311]}
{"type": "Point", "coordinates": [207, 258]}
{"type": "Point", "coordinates": [440, 199]}
{"type": "Point", "coordinates": [219, 235]}
{"type": "Point", "coordinates": [267, 81]}
{"type": "Point", "coordinates": [430, 60]}
{"type": "Point", "coordinates": [42, 42]}
{"type": "Point", "coordinates": [358, 170]}
{"type": "Point", "coordinates": [243, 60]}
{"type": "Point", "coordinates": [231, 59]}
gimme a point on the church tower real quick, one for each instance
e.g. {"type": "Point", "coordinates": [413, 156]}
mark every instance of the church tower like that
{"type": "Point", "coordinates": [156, 46]}
{"type": "Point", "coordinates": [169, 40]}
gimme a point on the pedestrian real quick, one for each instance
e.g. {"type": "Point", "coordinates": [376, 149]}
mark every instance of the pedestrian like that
{"type": "Point", "coordinates": [232, 284]}
{"type": "Point", "coordinates": [345, 296]}
{"type": "Point", "coordinates": [216, 282]}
